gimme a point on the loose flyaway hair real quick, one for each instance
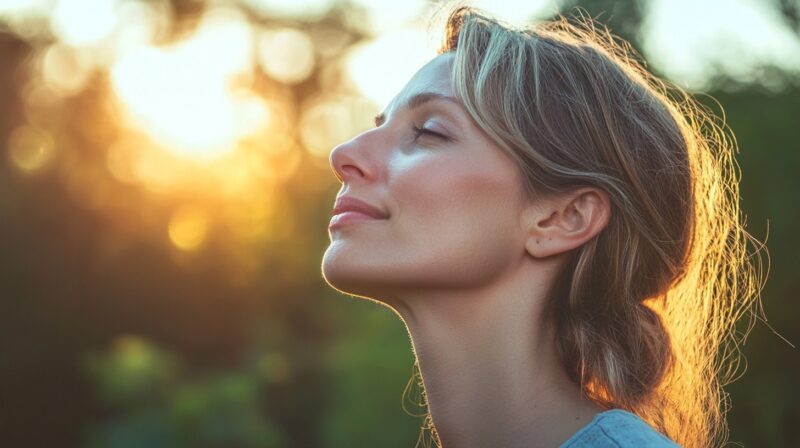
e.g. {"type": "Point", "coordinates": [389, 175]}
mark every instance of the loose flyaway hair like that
{"type": "Point", "coordinates": [645, 312]}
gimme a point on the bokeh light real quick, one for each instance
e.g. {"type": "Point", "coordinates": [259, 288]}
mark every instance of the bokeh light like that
{"type": "Point", "coordinates": [188, 227]}
{"type": "Point", "coordinates": [30, 149]}
{"type": "Point", "coordinates": [308, 9]}
{"type": "Point", "coordinates": [83, 22]}
{"type": "Point", "coordinates": [66, 69]}
{"type": "Point", "coordinates": [382, 66]}
{"type": "Point", "coordinates": [286, 54]}
{"type": "Point", "coordinates": [183, 95]}
{"type": "Point", "coordinates": [330, 119]}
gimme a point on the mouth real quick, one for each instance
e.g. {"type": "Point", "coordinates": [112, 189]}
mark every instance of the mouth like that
{"type": "Point", "coordinates": [351, 210]}
{"type": "Point", "coordinates": [351, 217]}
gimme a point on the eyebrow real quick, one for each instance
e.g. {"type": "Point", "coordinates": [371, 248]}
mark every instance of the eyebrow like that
{"type": "Point", "coordinates": [418, 100]}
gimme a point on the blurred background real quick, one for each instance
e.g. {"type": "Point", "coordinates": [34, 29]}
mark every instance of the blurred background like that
{"type": "Point", "coordinates": [165, 193]}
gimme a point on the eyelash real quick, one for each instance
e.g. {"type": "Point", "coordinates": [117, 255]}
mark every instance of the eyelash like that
{"type": "Point", "coordinates": [419, 132]}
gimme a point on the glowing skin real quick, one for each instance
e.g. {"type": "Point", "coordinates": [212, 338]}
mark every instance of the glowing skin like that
{"type": "Point", "coordinates": [467, 263]}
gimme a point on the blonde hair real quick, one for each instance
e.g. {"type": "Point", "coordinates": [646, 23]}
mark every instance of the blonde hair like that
{"type": "Point", "coordinates": [644, 312]}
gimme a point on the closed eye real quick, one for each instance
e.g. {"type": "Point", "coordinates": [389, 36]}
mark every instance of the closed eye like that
{"type": "Point", "coordinates": [380, 119]}
{"type": "Point", "coordinates": [419, 132]}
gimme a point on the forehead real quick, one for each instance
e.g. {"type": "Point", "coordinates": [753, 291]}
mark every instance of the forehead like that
{"type": "Point", "coordinates": [433, 77]}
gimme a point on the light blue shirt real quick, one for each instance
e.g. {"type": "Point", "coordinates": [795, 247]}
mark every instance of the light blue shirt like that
{"type": "Point", "coordinates": [618, 429]}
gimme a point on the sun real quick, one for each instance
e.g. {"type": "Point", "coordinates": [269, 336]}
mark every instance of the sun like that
{"type": "Point", "coordinates": [192, 97]}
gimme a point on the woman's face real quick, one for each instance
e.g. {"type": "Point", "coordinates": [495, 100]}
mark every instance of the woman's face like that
{"type": "Point", "coordinates": [451, 195]}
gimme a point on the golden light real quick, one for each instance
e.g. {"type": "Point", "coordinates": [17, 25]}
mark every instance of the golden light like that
{"type": "Point", "coordinates": [66, 69]}
{"type": "Point", "coordinates": [273, 165]}
{"type": "Point", "coordinates": [383, 66]}
{"type": "Point", "coordinates": [324, 125]}
{"type": "Point", "coordinates": [86, 185]}
{"type": "Point", "coordinates": [286, 55]}
{"type": "Point", "coordinates": [188, 227]}
{"type": "Point", "coordinates": [328, 121]}
{"type": "Point", "coordinates": [120, 160]}
{"type": "Point", "coordinates": [266, 157]}
{"type": "Point", "coordinates": [250, 221]}
{"type": "Point", "coordinates": [278, 8]}
{"type": "Point", "coordinates": [158, 171]}
{"type": "Point", "coordinates": [30, 149]}
{"type": "Point", "coordinates": [185, 96]}
{"type": "Point", "coordinates": [142, 24]}
{"type": "Point", "coordinates": [83, 22]}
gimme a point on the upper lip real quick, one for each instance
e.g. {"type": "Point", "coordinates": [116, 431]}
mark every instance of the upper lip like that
{"type": "Point", "coordinates": [351, 204]}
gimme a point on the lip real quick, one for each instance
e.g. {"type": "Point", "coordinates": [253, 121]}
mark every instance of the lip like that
{"type": "Point", "coordinates": [349, 209]}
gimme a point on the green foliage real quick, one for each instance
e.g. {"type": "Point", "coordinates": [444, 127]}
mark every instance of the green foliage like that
{"type": "Point", "coordinates": [369, 366]}
{"type": "Point", "coordinates": [154, 404]}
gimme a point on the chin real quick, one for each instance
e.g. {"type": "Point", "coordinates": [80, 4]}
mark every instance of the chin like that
{"type": "Point", "coordinates": [354, 277]}
{"type": "Point", "coordinates": [341, 272]}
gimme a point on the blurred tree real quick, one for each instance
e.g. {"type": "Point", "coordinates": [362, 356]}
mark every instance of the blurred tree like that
{"type": "Point", "coordinates": [154, 403]}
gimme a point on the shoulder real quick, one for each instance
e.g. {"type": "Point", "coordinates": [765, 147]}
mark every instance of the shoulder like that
{"type": "Point", "coordinates": [618, 429]}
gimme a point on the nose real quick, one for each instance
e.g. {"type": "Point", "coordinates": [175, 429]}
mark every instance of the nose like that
{"type": "Point", "coordinates": [347, 160]}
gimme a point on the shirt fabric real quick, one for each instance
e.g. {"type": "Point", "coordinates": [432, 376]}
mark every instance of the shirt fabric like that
{"type": "Point", "coordinates": [617, 428]}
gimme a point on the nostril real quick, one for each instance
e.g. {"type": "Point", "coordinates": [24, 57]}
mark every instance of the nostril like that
{"type": "Point", "coordinates": [345, 159]}
{"type": "Point", "coordinates": [352, 170]}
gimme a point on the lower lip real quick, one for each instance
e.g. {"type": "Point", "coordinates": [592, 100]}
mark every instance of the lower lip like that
{"type": "Point", "coordinates": [350, 218]}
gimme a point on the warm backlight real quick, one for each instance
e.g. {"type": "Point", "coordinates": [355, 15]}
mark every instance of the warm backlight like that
{"type": "Point", "coordinates": [191, 97]}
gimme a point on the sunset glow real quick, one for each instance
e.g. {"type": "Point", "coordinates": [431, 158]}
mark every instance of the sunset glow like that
{"type": "Point", "coordinates": [381, 67]}
{"type": "Point", "coordinates": [185, 96]}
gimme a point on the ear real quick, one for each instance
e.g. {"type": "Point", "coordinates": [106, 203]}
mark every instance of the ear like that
{"type": "Point", "coordinates": [564, 222]}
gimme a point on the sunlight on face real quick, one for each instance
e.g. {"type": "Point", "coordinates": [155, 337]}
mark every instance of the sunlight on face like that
{"type": "Point", "coordinates": [450, 195]}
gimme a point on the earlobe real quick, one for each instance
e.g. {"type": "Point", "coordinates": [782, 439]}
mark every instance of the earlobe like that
{"type": "Point", "coordinates": [540, 228]}
{"type": "Point", "coordinates": [567, 222]}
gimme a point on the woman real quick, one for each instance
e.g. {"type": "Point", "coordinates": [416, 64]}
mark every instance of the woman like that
{"type": "Point", "coordinates": [560, 234]}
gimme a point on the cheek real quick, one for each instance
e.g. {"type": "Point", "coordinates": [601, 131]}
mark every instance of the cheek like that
{"type": "Point", "coordinates": [435, 192]}
{"type": "Point", "coordinates": [457, 217]}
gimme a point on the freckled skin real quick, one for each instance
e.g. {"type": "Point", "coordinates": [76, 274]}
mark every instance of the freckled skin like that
{"type": "Point", "coordinates": [453, 220]}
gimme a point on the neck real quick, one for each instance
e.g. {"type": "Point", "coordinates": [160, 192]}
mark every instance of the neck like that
{"type": "Point", "coordinates": [490, 369]}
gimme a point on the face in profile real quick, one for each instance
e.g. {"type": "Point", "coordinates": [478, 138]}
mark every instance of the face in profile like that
{"type": "Point", "coordinates": [451, 198]}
